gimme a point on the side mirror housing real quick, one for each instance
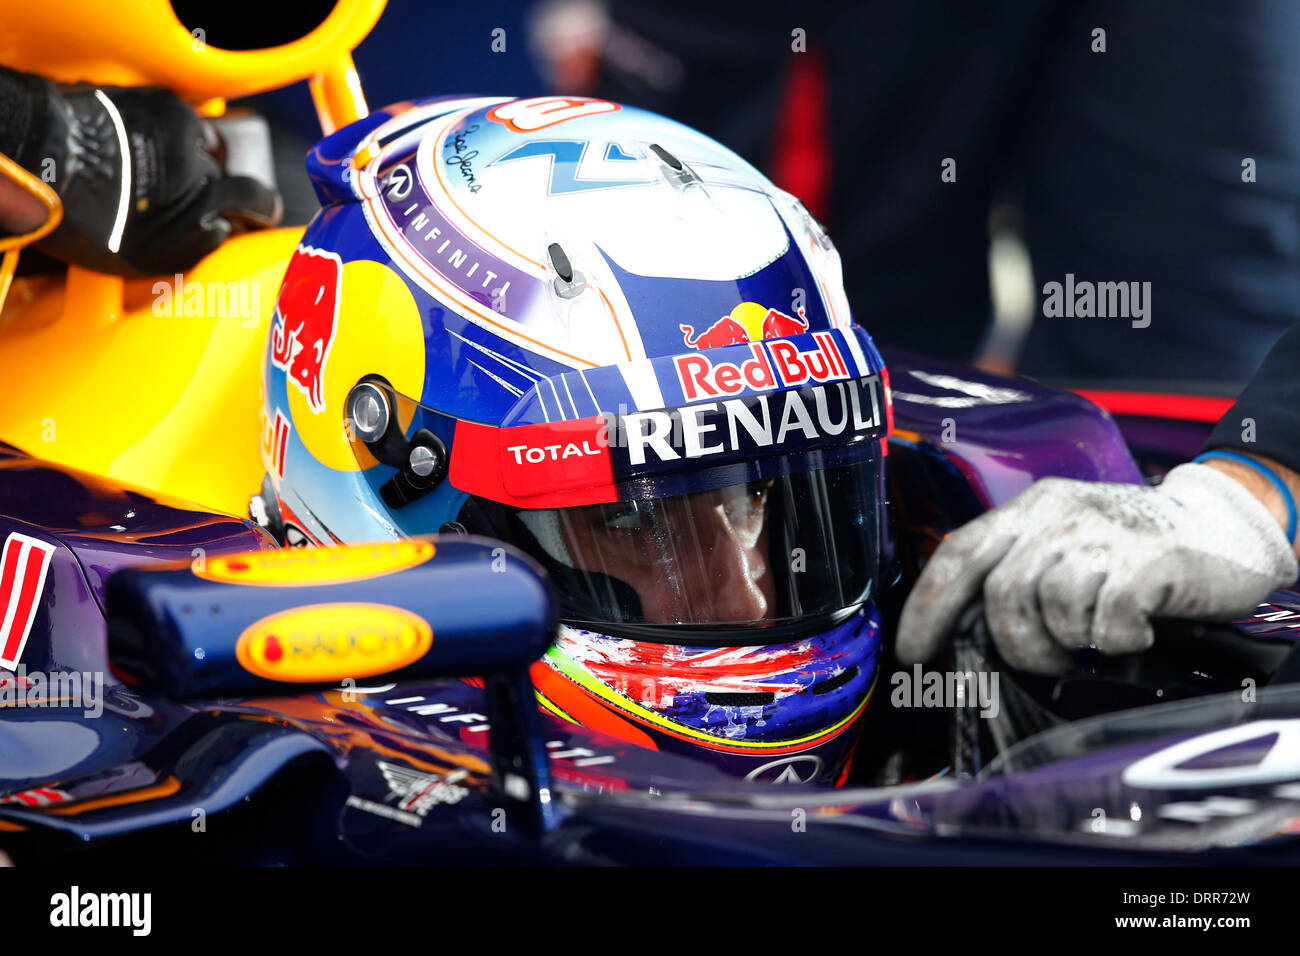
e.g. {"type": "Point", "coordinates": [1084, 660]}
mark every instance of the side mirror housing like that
{"type": "Point", "coordinates": [273, 622]}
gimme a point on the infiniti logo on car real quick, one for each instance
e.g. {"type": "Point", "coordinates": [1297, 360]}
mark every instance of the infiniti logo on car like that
{"type": "Point", "coordinates": [802, 768]}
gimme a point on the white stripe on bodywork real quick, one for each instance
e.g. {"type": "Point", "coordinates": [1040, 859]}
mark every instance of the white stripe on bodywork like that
{"type": "Point", "coordinates": [42, 551]}
{"type": "Point", "coordinates": [12, 605]}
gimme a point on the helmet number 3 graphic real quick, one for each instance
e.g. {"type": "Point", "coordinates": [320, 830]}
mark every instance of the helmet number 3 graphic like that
{"type": "Point", "coordinates": [527, 116]}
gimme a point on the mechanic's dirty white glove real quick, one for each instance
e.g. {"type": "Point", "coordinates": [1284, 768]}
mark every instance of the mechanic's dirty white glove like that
{"type": "Point", "coordinates": [1071, 563]}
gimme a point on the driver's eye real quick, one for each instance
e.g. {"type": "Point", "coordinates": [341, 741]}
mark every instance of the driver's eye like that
{"type": "Point", "coordinates": [756, 493]}
{"type": "Point", "coordinates": [746, 507]}
{"type": "Point", "coordinates": [626, 520]}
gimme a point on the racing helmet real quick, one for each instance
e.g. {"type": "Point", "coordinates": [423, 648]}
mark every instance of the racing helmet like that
{"type": "Point", "coordinates": [606, 339]}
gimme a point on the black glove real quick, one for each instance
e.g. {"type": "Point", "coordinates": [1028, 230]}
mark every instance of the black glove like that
{"type": "Point", "coordinates": [180, 204]}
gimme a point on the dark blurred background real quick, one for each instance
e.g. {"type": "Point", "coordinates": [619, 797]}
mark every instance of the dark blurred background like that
{"type": "Point", "coordinates": [962, 154]}
{"type": "Point", "coordinates": [416, 49]}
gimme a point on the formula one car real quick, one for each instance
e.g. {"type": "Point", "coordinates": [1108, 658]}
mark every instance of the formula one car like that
{"type": "Point", "coordinates": [181, 682]}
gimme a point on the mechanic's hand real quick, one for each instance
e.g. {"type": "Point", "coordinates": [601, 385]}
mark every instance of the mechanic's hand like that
{"type": "Point", "coordinates": [161, 212]}
{"type": "Point", "coordinates": [1071, 563]}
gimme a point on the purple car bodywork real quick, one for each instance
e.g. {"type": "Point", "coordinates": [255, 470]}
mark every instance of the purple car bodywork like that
{"type": "Point", "coordinates": [410, 774]}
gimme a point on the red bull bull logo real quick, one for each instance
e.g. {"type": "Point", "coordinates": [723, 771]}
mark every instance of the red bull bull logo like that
{"type": "Point", "coordinates": [748, 322]}
{"type": "Point", "coordinates": [306, 315]}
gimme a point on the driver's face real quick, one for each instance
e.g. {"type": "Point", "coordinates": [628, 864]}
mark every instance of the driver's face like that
{"type": "Point", "coordinates": [698, 558]}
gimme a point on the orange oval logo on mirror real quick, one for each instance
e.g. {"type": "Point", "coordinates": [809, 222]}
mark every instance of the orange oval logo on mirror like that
{"type": "Point", "coordinates": [330, 642]}
{"type": "Point", "coordinates": [299, 567]}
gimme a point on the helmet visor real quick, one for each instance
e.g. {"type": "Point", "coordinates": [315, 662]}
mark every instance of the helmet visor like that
{"type": "Point", "coordinates": [777, 547]}
{"type": "Point", "coordinates": [761, 511]}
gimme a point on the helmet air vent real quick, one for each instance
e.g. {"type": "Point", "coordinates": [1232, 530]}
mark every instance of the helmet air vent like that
{"type": "Point", "coordinates": [667, 158]}
{"type": "Point", "coordinates": [836, 682]}
{"type": "Point", "coordinates": [568, 282]}
{"type": "Point", "coordinates": [692, 198]}
{"type": "Point", "coordinates": [728, 699]}
{"type": "Point", "coordinates": [680, 176]}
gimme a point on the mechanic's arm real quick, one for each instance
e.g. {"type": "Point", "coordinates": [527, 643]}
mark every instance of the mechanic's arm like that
{"type": "Point", "coordinates": [1071, 563]}
{"type": "Point", "coordinates": [1261, 487]}
{"type": "Point", "coordinates": [142, 190]}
